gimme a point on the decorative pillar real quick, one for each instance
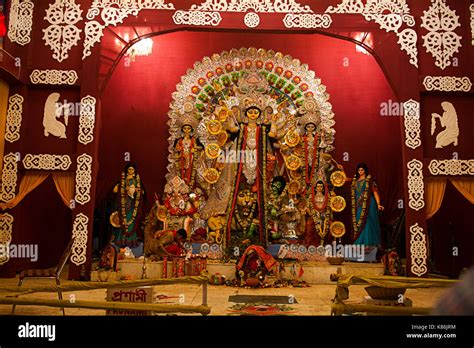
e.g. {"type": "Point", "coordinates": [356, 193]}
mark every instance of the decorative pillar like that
{"type": "Point", "coordinates": [415, 217]}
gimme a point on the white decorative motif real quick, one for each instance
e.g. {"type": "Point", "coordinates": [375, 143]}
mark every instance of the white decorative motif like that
{"type": "Point", "coordinates": [306, 20]}
{"type": "Point", "coordinates": [197, 18]}
{"type": "Point", "coordinates": [407, 40]}
{"type": "Point", "coordinates": [471, 8]}
{"type": "Point", "coordinates": [416, 186]}
{"type": "Point", "coordinates": [412, 124]}
{"type": "Point", "coordinates": [80, 235]}
{"type": "Point", "coordinates": [441, 41]}
{"type": "Point", "coordinates": [113, 12]}
{"type": "Point", "coordinates": [449, 120]}
{"type": "Point", "coordinates": [87, 120]}
{"type": "Point", "coordinates": [53, 77]}
{"type": "Point", "coordinates": [9, 176]}
{"type": "Point", "coordinates": [14, 117]}
{"type": "Point", "coordinates": [418, 250]}
{"type": "Point", "coordinates": [252, 20]}
{"type": "Point", "coordinates": [52, 111]}
{"type": "Point", "coordinates": [83, 179]}
{"type": "Point", "coordinates": [281, 6]}
{"type": "Point", "coordinates": [47, 162]}
{"type": "Point", "coordinates": [62, 34]}
{"type": "Point", "coordinates": [21, 21]}
{"type": "Point", "coordinates": [451, 167]}
{"type": "Point", "coordinates": [6, 229]}
{"type": "Point", "coordinates": [447, 83]}
{"type": "Point", "coordinates": [390, 15]}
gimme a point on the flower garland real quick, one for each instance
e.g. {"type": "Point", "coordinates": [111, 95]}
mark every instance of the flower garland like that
{"type": "Point", "coordinates": [364, 201]}
{"type": "Point", "coordinates": [123, 200]}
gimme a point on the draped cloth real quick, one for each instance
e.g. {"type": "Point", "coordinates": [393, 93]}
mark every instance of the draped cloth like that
{"type": "Point", "coordinates": [434, 194]}
{"type": "Point", "coordinates": [64, 182]}
{"type": "Point", "coordinates": [435, 188]}
{"type": "Point", "coordinates": [265, 256]}
{"type": "Point", "coordinates": [29, 182]}
{"type": "Point", "coordinates": [465, 186]}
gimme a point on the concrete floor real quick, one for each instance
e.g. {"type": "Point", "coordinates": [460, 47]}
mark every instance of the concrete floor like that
{"type": "Point", "coordinates": [313, 300]}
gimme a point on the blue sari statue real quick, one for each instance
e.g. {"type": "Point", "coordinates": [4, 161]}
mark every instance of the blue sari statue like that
{"type": "Point", "coordinates": [365, 207]}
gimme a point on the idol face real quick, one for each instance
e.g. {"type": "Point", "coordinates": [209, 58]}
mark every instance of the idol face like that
{"type": "Point", "coordinates": [319, 188]}
{"type": "Point", "coordinates": [246, 198]}
{"type": "Point", "coordinates": [277, 187]}
{"type": "Point", "coordinates": [361, 171]}
{"type": "Point", "coordinates": [131, 171]}
{"type": "Point", "coordinates": [253, 113]}
{"type": "Point", "coordinates": [187, 129]}
{"type": "Point", "coordinates": [310, 127]}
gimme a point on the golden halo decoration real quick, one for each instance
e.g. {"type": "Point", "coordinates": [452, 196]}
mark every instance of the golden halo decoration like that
{"type": "Point", "coordinates": [211, 175]}
{"type": "Point", "coordinates": [337, 229]}
{"type": "Point", "coordinates": [338, 203]}
{"type": "Point", "coordinates": [214, 127]}
{"type": "Point", "coordinates": [222, 138]}
{"type": "Point", "coordinates": [213, 150]}
{"type": "Point", "coordinates": [115, 219]}
{"type": "Point", "coordinates": [292, 138]}
{"type": "Point", "coordinates": [338, 178]}
{"type": "Point", "coordinates": [293, 162]}
{"type": "Point", "coordinates": [293, 187]}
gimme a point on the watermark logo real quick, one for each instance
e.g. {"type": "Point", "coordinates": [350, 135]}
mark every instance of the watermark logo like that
{"type": "Point", "coordinates": [347, 251]}
{"type": "Point", "coordinates": [67, 108]}
{"type": "Point", "coordinates": [241, 156]}
{"type": "Point", "coordinates": [37, 331]}
{"type": "Point", "coordinates": [391, 108]}
{"type": "Point", "coordinates": [19, 251]}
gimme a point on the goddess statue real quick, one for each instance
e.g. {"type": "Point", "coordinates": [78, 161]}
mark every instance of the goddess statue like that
{"type": "Point", "coordinates": [126, 220]}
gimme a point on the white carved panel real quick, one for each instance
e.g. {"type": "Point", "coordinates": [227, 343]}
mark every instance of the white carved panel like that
{"type": "Point", "coordinates": [307, 20]}
{"type": "Point", "coordinates": [62, 33]}
{"type": "Point", "coordinates": [447, 83]}
{"type": "Point", "coordinates": [390, 15]}
{"type": "Point", "coordinates": [416, 186]}
{"type": "Point", "coordinates": [53, 77]}
{"type": "Point", "coordinates": [113, 12]}
{"type": "Point", "coordinates": [80, 235]}
{"type": "Point", "coordinates": [412, 123]}
{"type": "Point", "coordinates": [418, 251]}
{"type": "Point", "coordinates": [265, 6]}
{"type": "Point", "coordinates": [448, 126]}
{"type": "Point", "coordinates": [6, 229]}
{"type": "Point", "coordinates": [9, 177]}
{"type": "Point", "coordinates": [83, 179]}
{"type": "Point", "coordinates": [20, 21]}
{"type": "Point", "coordinates": [47, 162]}
{"type": "Point", "coordinates": [441, 41]}
{"type": "Point", "coordinates": [87, 120]}
{"type": "Point", "coordinates": [197, 18]}
{"type": "Point", "coordinates": [14, 118]}
{"type": "Point", "coordinates": [451, 167]}
{"type": "Point", "coordinates": [51, 114]}
{"type": "Point", "coordinates": [251, 20]}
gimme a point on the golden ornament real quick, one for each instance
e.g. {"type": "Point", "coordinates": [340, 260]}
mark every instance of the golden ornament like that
{"type": "Point", "coordinates": [214, 127]}
{"type": "Point", "coordinates": [293, 187]}
{"type": "Point", "coordinates": [293, 162]}
{"type": "Point", "coordinates": [338, 203]}
{"type": "Point", "coordinates": [211, 175]}
{"type": "Point", "coordinates": [337, 229]}
{"type": "Point", "coordinates": [213, 150]}
{"type": "Point", "coordinates": [292, 138]}
{"type": "Point", "coordinates": [338, 178]}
